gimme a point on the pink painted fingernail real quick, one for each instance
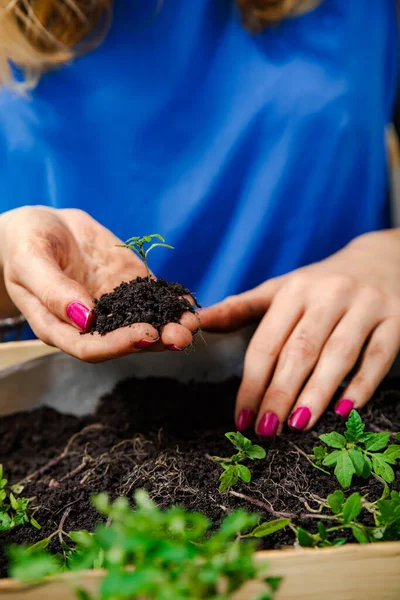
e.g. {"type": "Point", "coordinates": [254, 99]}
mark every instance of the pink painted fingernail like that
{"type": "Point", "coordinates": [145, 343]}
{"type": "Point", "coordinates": [300, 417]}
{"type": "Point", "coordinates": [245, 419]}
{"type": "Point", "coordinates": [174, 348]}
{"type": "Point", "coordinates": [80, 315]}
{"type": "Point", "coordinates": [344, 407]}
{"type": "Point", "coordinates": [268, 426]}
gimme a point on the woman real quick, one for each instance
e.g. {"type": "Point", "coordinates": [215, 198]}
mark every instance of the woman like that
{"type": "Point", "coordinates": [261, 158]}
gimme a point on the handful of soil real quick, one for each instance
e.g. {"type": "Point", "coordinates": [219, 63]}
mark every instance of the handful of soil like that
{"type": "Point", "coordinates": [142, 300]}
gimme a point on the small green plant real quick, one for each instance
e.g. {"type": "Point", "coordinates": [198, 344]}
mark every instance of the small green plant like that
{"type": "Point", "coordinates": [358, 452]}
{"type": "Point", "coordinates": [13, 510]}
{"type": "Point", "coordinates": [173, 552]}
{"type": "Point", "coordinates": [136, 244]}
{"type": "Point", "coordinates": [233, 467]}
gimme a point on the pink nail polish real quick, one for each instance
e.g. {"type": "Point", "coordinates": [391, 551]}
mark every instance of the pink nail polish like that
{"type": "Point", "coordinates": [245, 419]}
{"type": "Point", "coordinates": [268, 426]}
{"type": "Point", "coordinates": [174, 348]}
{"type": "Point", "coordinates": [145, 343]}
{"type": "Point", "coordinates": [344, 407]}
{"type": "Point", "coordinates": [300, 417]}
{"type": "Point", "coordinates": [80, 315]}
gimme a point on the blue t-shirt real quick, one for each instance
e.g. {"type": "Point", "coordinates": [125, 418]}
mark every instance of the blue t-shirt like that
{"type": "Point", "coordinates": [251, 154]}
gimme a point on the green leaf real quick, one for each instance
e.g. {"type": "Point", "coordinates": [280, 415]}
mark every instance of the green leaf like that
{"type": "Point", "coordinates": [273, 582]}
{"type": "Point", "coordinates": [352, 507]}
{"type": "Point", "coordinates": [357, 458]}
{"type": "Point", "coordinates": [14, 501]}
{"type": "Point", "coordinates": [381, 467]}
{"type": "Point", "coordinates": [360, 534]}
{"type": "Point", "coordinates": [339, 542]}
{"type": "Point", "coordinates": [379, 441]}
{"type": "Point", "coordinates": [228, 478]}
{"type": "Point", "coordinates": [344, 469]}
{"type": "Point", "coordinates": [331, 459]}
{"type": "Point", "coordinates": [82, 594]}
{"type": "Point", "coordinates": [398, 436]}
{"type": "Point", "coordinates": [354, 426]}
{"type": "Point", "coordinates": [322, 530]}
{"type": "Point", "coordinates": [32, 567]}
{"type": "Point", "coordinates": [244, 473]}
{"type": "Point", "coordinates": [305, 539]}
{"type": "Point", "coordinates": [333, 440]}
{"type": "Point", "coordinates": [268, 528]}
{"type": "Point", "coordinates": [335, 501]}
{"type": "Point", "coordinates": [34, 523]}
{"type": "Point", "coordinates": [256, 452]}
{"type": "Point", "coordinates": [319, 452]}
{"type": "Point", "coordinates": [393, 453]}
{"type": "Point", "coordinates": [239, 441]}
{"type": "Point", "coordinates": [366, 472]}
{"type": "Point", "coordinates": [41, 545]}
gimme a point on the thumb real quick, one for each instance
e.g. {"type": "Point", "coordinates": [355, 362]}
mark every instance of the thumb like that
{"type": "Point", "coordinates": [61, 295]}
{"type": "Point", "coordinates": [237, 311]}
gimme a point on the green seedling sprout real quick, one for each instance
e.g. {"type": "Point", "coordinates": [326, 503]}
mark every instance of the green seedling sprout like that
{"type": "Point", "coordinates": [136, 244]}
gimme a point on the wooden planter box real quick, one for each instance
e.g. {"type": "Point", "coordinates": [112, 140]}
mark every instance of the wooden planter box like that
{"type": "Point", "coordinates": [31, 373]}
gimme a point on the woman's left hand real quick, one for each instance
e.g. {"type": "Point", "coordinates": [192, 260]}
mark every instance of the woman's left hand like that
{"type": "Point", "coordinates": [316, 322]}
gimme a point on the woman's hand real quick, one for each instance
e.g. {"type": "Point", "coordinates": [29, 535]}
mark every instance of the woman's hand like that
{"type": "Point", "coordinates": [315, 324]}
{"type": "Point", "coordinates": [54, 262]}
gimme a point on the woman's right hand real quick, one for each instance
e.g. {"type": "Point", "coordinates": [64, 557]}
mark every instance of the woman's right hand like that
{"type": "Point", "coordinates": [54, 262]}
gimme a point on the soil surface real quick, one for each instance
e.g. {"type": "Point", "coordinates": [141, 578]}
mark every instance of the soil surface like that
{"type": "Point", "coordinates": [156, 434]}
{"type": "Point", "coordinates": [142, 300]}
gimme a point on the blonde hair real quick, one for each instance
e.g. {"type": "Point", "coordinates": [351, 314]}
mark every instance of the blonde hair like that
{"type": "Point", "coordinates": [37, 35]}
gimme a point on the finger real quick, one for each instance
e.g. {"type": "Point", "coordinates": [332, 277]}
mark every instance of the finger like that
{"type": "Point", "coordinates": [378, 357]}
{"type": "Point", "coordinates": [89, 348]}
{"type": "Point", "coordinates": [296, 361]}
{"type": "Point", "coordinates": [191, 321]}
{"type": "Point", "coordinates": [262, 355]}
{"type": "Point", "coordinates": [337, 359]}
{"type": "Point", "coordinates": [236, 311]}
{"type": "Point", "coordinates": [62, 296]}
{"type": "Point", "coordinates": [175, 337]}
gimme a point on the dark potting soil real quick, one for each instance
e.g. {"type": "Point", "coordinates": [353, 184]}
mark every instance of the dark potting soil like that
{"type": "Point", "coordinates": [142, 300]}
{"type": "Point", "coordinates": [156, 434]}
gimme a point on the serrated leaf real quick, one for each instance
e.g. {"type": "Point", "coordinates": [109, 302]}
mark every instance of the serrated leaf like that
{"type": "Point", "coordinates": [319, 452]}
{"type": "Point", "coordinates": [357, 458]}
{"type": "Point", "coordinates": [382, 468]}
{"type": "Point", "coordinates": [335, 501]}
{"type": "Point", "coordinates": [268, 528]}
{"type": "Point", "coordinates": [360, 534]}
{"type": "Point", "coordinates": [344, 469]}
{"type": "Point", "coordinates": [378, 442]}
{"type": "Point", "coordinates": [333, 440]}
{"type": "Point", "coordinates": [331, 458]}
{"type": "Point", "coordinates": [392, 452]}
{"type": "Point", "coordinates": [239, 441]}
{"type": "Point", "coordinates": [364, 437]}
{"type": "Point", "coordinates": [244, 473]}
{"type": "Point", "coordinates": [352, 507]}
{"type": "Point", "coordinates": [256, 452]}
{"type": "Point", "coordinates": [305, 539]}
{"type": "Point", "coordinates": [228, 478]}
{"type": "Point", "coordinates": [354, 426]}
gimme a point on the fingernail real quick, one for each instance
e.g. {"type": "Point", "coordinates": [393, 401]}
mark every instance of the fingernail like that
{"type": "Point", "coordinates": [80, 315]}
{"type": "Point", "coordinates": [344, 407]}
{"type": "Point", "coordinates": [300, 417]}
{"type": "Point", "coordinates": [245, 419]}
{"type": "Point", "coordinates": [145, 343]}
{"type": "Point", "coordinates": [268, 426]}
{"type": "Point", "coordinates": [174, 348]}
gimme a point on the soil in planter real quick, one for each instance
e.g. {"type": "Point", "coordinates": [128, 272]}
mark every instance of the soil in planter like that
{"type": "Point", "coordinates": [142, 300]}
{"type": "Point", "coordinates": [156, 434]}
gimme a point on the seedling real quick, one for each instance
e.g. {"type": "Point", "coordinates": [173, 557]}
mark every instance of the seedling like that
{"type": "Point", "coordinates": [13, 510]}
{"type": "Point", "coordinates": [358, 452]}
{"type": "Point", "coordinates": [136, 244]}
{"type": "Point", "coordinates": [174, 554]}
{"type": "Point", "coordinates": [233, 469]}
